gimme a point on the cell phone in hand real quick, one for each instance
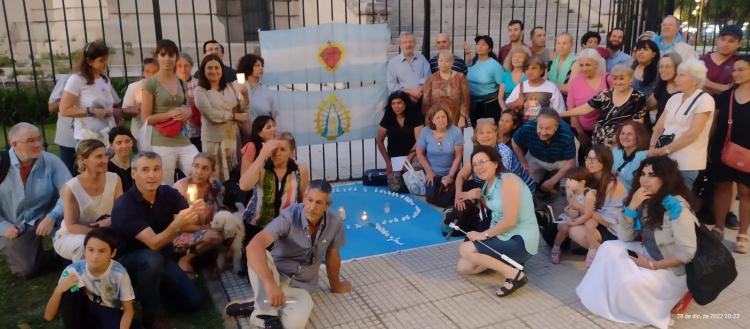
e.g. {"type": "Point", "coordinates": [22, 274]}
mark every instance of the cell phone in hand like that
{"type": "Point", "coordinates": [632, 253]}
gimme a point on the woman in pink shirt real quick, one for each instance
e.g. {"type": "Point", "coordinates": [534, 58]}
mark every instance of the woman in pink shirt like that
{"type": "Point", "coordinates": [591, 78]}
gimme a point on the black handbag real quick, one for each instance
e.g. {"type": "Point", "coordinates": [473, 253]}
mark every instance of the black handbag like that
{"type": "Point", "coordinates": [664, 140]}
{"type": "Point", "coordinates": [712, 268]}
{"type": "Point", "coordinates": [442, 196]}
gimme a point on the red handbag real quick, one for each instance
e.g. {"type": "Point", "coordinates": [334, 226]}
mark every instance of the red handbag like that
{"type": "Point", "coordinates": [169, 128]}
{"type": "Point", "coordinates": [733, 155]}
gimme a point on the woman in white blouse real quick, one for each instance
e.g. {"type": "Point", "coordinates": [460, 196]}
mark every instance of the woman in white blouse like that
{"type": "Point", "coordinates": [683, 129]}
{"type": "Point", "coordinates": [221, 109]}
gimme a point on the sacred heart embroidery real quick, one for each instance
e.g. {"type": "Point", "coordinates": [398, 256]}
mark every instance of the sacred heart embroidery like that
{"type": "Point", "coordinates": [331, 55]}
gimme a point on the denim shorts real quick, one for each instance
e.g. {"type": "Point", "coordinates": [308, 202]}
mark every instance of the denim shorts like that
{"type": "Point", "coordinates": [513, 248]}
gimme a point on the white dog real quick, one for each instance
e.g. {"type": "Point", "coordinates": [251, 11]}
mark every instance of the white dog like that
{"type": "Point", "coordinates": [232, 227]}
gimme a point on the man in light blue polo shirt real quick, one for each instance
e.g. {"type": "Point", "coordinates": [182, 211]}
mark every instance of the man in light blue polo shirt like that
{"type": "Point", "coordinates": [615, 39]}
{"type": "Point", "coordinates": [30, 205]}
{"type": "Point", "coordinates": [302, 236]}
{"type": "Point", "coordinates": [408, 71]}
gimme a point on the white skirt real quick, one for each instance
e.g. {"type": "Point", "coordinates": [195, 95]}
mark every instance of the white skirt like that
{"type": "Point", "coordinates": [617, 289]}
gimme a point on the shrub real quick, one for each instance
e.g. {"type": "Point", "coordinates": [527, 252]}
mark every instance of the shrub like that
{"type": "Point", "coordinates": [24, 105]}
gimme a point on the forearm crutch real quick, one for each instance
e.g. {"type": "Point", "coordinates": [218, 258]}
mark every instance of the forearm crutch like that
{"type": "Point", "coordinates": [505, 258]}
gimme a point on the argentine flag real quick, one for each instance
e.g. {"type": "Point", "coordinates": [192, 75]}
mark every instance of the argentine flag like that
{"type": "Point", "coordinates": [325, 53]}
{"type": "Point", "coordinates": [318, 117]}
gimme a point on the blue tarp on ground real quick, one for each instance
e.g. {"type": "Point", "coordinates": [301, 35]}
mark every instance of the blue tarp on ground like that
{"type": "Point", "coordinates": [411, 223]}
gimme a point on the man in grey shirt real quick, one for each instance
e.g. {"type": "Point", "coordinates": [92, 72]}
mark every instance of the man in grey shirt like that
{"type": "Point", "coordinates": [302, 236]}
{"type": "Point", "coordinates": [408, 71]}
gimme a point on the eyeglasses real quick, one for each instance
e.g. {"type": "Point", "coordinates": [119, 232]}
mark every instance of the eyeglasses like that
{"type": "Point", "coordinates": [479, 163]}
{"type": "Point", "coordinates": [592, 159]}
{"type": "Point", "coordinates": [32, 141]}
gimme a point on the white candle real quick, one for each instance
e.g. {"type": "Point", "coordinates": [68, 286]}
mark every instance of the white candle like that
{"type": "Point", "coordinates": [364, 216]}
{"type": "Point", "coordinates": [241, 78]}
{"type": "Point", "coordinates": [192, 192]}
{"type": "Point", "coordinates": [342, 212]}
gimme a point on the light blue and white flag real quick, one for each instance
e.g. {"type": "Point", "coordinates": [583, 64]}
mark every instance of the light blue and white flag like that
{"type": "Point", "coordinates": [317, 117]}
{"type": "Point", "coordinates": [325, 53]}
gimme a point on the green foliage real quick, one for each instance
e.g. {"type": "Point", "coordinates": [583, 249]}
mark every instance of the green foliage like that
{"type": "Point", "coordinates": [24, 105]}
{"type": "Point", "coordinates": [5, 61]}
{"type": "Point", "coordinates": [120, 85]}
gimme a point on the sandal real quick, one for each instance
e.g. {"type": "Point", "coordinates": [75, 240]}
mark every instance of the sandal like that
{"type": "Point", "coordinates": [515, 284]}
{"type": "Point", "coordinates": [741, 246]}
{"type": "Point", "coordinates": [555, 255]}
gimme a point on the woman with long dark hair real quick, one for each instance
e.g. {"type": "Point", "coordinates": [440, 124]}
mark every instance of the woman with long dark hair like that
{"type": "Point", "coordinates": [645, 66]}
{"type": "Point", "coordinates": [642, 289]}
{"type": "Point", "coordinates": [263, 129]}
{"type": "Point", "coordinates": [401, 125]}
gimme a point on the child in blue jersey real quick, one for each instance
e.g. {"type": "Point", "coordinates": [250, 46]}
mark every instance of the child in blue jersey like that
{"type": "Point", "coordinates": [94, 292]}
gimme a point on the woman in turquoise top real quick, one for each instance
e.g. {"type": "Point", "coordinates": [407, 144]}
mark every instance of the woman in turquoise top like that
{"type": "Point", "coordinates": [485, 77]}
{"type": "Point", "coordinates": [513, 230]}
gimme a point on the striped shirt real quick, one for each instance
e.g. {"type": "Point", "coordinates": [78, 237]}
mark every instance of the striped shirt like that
{"type": "Point", "coordinates": [458, 65]}
{"type": "Point", "coordinates": [559, 148]}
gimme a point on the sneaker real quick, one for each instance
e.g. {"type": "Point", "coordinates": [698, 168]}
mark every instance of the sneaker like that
{"type": "Point", "coordinates": [273, 322]}
{"type": "Point", "coordinates": [240, 308]}
{"type": "Point", "coordinates": [732, 222]}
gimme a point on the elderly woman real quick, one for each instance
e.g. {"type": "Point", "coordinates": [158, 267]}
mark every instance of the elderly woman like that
{"type": "Point", "coordinates": [262, 99]}
{"type": "Point", "coordinates": [439, 149]}
{"type": "Point", "coordinates": [665, 87]}
{"type": "Point", "coordinates": [560, 69]}
{"type": "Point", "coordinates": [484, 77]}
{"type": "Point", "coordinates": [610, 193]}
{"type": "Point", "coordinates": [630, 149]}
{"type": "Point", "coordinates": [591, 79]}
{"type": "Point", "coordinates": [184, 68]}
{"type": "Point", "coordinates": [738, 100]}
{"type": "Point", "coordinates": [89, 96]}
{"type": "Point", "coordinates": [535, 93]}
{"type": "Point", "coordinates": [401, 125]}
{"type": "Point", "coordinates": [165, 107]}
{"type": "Point", "coordinates": [642, 289]}
{"type": "Point", "coordinates": [615, 105]}
{"type": "Point", "coordinates": [87, 199]}
{"type": "Point", "coordinates": [447, 87]}
{"type": "Point", "coordinates": [221, 110]}
{"type": "Point", "coordinates": [645, 66]}
{"type": "Point", "coordinates": [515, 65]}
{"type": "Point", "coordinates": [682, 131]}
{"type": "Point", "coordinates": [513, 230]}
{"type": "Point", "coordinates": [277, 181]}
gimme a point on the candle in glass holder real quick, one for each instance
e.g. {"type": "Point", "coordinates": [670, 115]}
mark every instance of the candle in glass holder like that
{"type": "Point", "coordinates": [387, 208]}
{"type": "Point", "coordinates": [241, 78]}
{"type": "Point", "coordinates": [192, 192]}
{"type": "Point", "coordinates": [364, 216]}
{"type": "Point", "coordinates": [342, 212]}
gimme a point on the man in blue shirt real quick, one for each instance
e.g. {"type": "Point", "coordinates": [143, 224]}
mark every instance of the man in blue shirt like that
{"type": "Point", "coordinates": [545, 146]}
{"type": "Point", "coordinates": [146, 219]}
{"type": "Point", "coordinates": [30, 205]}
{"type": "Point", "coordinates": [615, 39]}
{"type": "Point", "coordinates": [409, 70]}
{"type": "Point", "coordinates": [302, 236]}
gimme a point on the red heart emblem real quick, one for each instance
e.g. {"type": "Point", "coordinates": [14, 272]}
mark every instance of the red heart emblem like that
{"type": "Point", "coordinates": [331, 56]}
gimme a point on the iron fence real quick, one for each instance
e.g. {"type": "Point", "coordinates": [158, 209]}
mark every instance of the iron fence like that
{"type": "Point", "coordinates": [41, 39]}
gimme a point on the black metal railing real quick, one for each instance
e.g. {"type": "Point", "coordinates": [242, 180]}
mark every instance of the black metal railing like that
{"type": "Point", "coordinates": [46, 35]}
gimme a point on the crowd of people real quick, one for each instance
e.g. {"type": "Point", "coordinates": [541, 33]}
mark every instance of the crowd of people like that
{"type": "Point", "coordinates": [623, 138]}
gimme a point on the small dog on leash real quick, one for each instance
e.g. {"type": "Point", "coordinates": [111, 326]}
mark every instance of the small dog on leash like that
{"type": "Point", "coordinates": [232, 227]}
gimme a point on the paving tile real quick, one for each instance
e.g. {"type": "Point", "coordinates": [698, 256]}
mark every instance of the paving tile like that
{"type": "Point", "coordinates": [474, 310]}
{"type": "Point", "coordinates": [508, 324]}
{"type": "Point", "coordinates": [420, 316]}
{"type": "Point", "coordinates": [369, 270]}
{"type": "Point", "coordinates": [425, 259]}
{"type": "Point", "coordinates": [387, 296]}
{"type": "Point", "coordinates": [561, 317]}
{"type": "Point", "coordinates": [371, 322]}
{"type": "Point", "coordinates": [440, 283]}
{"type": "Point", "coordinates": [335, 309]}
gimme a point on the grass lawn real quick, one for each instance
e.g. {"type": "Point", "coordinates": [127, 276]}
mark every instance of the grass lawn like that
{"type": "Point", "coordinates": [22, 303]}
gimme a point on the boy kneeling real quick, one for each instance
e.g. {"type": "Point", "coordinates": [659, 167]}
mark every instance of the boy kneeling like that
{"type": "Point", "coordinates": [94, 292]}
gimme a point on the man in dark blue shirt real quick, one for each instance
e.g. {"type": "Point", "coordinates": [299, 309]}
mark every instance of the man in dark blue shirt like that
{"type": "Point", "coordinates": [146, 219]}
{"type": "Point", "coordinates": [444, 43]}
{"type": "Point", "coordinates": [545, 145]}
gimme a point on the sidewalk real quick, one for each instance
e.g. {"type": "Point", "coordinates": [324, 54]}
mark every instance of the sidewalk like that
{"type": "Point", "coordinates": [421, 289]}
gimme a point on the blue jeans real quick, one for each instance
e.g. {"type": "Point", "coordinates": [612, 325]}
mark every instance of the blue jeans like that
{"type": "Point", "coordinates": [513, 248]}
{"type": "Point", "coordinates": [68, 157]}
{"type": "Point", "coordinates": [152, 272]}
{"type": "Point", "coordinates": [689, 176]}
{"type": "Point", "coordinates": [78, 311]}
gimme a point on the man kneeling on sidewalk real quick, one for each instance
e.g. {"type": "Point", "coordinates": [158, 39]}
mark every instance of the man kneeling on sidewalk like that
{"type": "Point", "coordinates": [302, 236]}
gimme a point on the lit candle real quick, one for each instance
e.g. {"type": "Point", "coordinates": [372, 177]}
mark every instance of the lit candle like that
{"type": "Point", "coordinates": [342, 212]}
{"type": "Point", "coordinates": [387, 208]}
{"type": "Point", "coordinates": [241, 78]}
{"type": "Point", "coordinates": [364, 216]}
{"type": "Point", "coordinates": [192, 192]}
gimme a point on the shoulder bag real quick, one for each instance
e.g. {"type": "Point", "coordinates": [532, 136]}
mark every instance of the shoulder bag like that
{"type": "Point", "coordinates": [734, 155]}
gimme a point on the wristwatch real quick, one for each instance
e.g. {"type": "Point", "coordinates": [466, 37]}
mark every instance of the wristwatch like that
{"type": "Point", "coordinates": [667, 150]}
{"type": "Point", "coordinates": [486, 236]}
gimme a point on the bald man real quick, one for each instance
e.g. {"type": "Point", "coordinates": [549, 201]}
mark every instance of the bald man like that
{"type": "Point", "coordinates": [444, 43]}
